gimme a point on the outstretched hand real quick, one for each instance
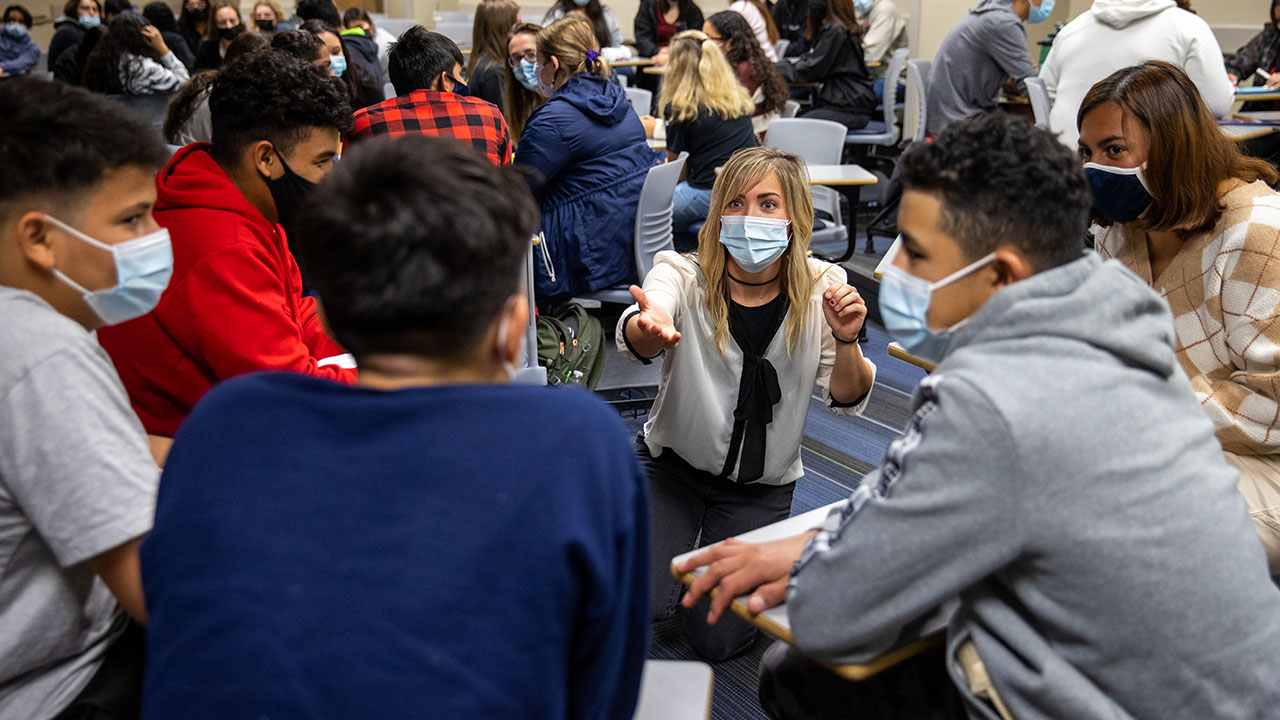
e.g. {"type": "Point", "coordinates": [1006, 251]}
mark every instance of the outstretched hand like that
{"type": "Point", "coordinates": [654, 321]}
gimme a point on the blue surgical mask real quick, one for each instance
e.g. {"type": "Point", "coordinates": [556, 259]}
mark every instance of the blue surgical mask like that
{"type": "Point", "coordinates": [582, 3]}
{"type": "Point", "coordinates": [904, 307]}
{"type": "Point", "coordinates": [546, 90]}
{"type": "Point", "coordinates": [90, 21]}
{"type": "Point", "coordinates": [863, 6]}
{"type": "Point", "coordinates": [1119, 194]}
{"type": "Point", "coordinates": [754, 242]}
{"type": "Point", "coordinates": [1042, 13]}
{"type": "Point", "coordinates": [143, 268]}
{"type": "Point", "coordinates": [15, 29]}
{"type": "Point", "coordinates": [527, 75]}
{"type": "Point", "coordinates": [339, 64]}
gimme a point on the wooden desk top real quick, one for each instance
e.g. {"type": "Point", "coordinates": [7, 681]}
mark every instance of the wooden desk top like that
{"type": "Point", "coordinates": [775, 621]}
{"type": "Point", "coordinates": [897, 351]}
{"type": "Point", "coordinates": [1242, 132]}
{"type": "Point", "coordinates": [632, 62]}
{"type": "Point", "coordinates": [651, 70]}
{"type": "Point", "coordinates": [1247, 94]}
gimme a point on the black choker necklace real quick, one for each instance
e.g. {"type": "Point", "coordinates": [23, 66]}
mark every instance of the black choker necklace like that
{"type": "Point", "coordinates": [760, 284]}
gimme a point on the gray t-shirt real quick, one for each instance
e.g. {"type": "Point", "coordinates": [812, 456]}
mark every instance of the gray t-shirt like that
{"type": "Point", "coordinates": [76, 479]}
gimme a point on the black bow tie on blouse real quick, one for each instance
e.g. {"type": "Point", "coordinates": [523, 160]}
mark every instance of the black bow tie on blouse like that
{"type": "Point", "coordinates": [758, 392]}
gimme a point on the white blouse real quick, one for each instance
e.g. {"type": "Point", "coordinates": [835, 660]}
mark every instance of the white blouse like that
{"type": "Point", "coordinates": [693, 413]}
{"type": "Point", "coordinates": [758, 25]}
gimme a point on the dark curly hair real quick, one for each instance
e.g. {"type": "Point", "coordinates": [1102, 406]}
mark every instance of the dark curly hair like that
{"type": "Point", "coordinates": [160, 15]}
{"type": "Point", "coordinates": [323, 10]}
{"type": "Point", "coordinates": [1003, 181]}
{"type": "Point", "coordinates": [300, 44]}
{"type": "Point", "coordinates": [271, 95]}
{"type": "Point", "coordinates": [58, 141]}
{"type": "Point", "coordinates": [404, 268]}
{"type": "Point", "coordinates": [105, 64]}
{"type": "Point", "coordinates": [744, 47]}
{"type": "Point", "coordinates": [25, 13]}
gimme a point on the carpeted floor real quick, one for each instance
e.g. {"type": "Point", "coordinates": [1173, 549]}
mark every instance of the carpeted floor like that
{"type": "Point", "coordinates": [837, 452]}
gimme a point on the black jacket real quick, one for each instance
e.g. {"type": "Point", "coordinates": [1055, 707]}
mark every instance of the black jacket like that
{"type": "Point", "coordinates": [68, 35]}
{"type": "Point", "coordinates": [488, 80]}
{"type": "Point", "coordinates": [363, 51]}
{"type": "Point", "coordinates": [209, 55]}
{"type": "Point", "coordinates": [178, 44]}
{"type": "Point", "coordinates": [791, 17]}
{"type": "Point", "coordinates": [1263, 51]}
{"type": "Point", "coordinates": [835, 60]}
{"type": "Point", "coordinates": [646, 25]}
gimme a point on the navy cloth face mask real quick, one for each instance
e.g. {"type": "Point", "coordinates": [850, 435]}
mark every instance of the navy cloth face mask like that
{"type": "Point", "coordinates": [1119, 194]}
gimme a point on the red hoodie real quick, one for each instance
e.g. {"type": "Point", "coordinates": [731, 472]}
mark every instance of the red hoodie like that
{"type": "Point", "coordinates": [233, 306]}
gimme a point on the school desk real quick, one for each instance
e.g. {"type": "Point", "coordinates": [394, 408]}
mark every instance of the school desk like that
{"type": "Point", "coordinates": [775, 622]}
{"type": "Point", "coordinates": [899, 352]}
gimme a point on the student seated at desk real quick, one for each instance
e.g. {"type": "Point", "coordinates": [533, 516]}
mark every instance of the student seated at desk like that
{"type": "Point", "coordinates": [235, 304]}
{"type": "Point", "coordinates": [886, 32]}
{"type": "Point", "coordinates": [749, 325]}
{"type": "Point", "coordinates": [1058, 477]}
{"type": "Point", "coordinates": [520, 96]}
{"type": "Point", "coordinates": [132, 59]}
{"type": "Point", "coordinates": [1260, 53]}
{"type": "Point", "coordinates": [486, 72]}
{"type": "Point", "coordinates": [1115, 34]}
{"type": "Point", "coordinates": [79, 250]}
{"type": "Point", "coordinates": [18, 52]}
{"type": "Point", "coordinates": [587, 149]}
{"type": "Point", "coordinates": [835, 60]}
{"type": "Point", "coordinates": [986, 49]}
{"type": "Point", "coordinates": [1199, 223]}
{"type": "Point", "coordinates": [707, 113]}
{"type": "Point", "coordinates": [432, 542]}
{"type": "Point", "coordinates": [753, 69]}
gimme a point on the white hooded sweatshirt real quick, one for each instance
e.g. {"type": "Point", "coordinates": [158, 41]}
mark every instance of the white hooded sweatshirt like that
{"type": "Point", "coordinates": [1115, 34]}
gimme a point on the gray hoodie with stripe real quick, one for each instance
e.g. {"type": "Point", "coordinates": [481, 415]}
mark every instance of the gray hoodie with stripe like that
{"type": "Point", "coordinates": [1059, 478]}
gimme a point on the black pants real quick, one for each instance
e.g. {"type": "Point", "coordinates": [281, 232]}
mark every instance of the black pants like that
{"type": "Point", "coordinates": [115, 691]}
{"type": "Point", "coordinates": [793, 687]}
{"type": "Point", "coordinates": [853, 121]}
{"type": "Point", "coordinates": [683, 502]}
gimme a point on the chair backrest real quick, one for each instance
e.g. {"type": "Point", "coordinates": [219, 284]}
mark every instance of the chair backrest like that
{"type": "Point", "coordinates": [916, 116]}
{"type": "Point", "coordinates": [790, 108]}
{"type": "Point", "coordinates": [388, 90]}
{"type": "Point", "coordinates": [653, 214]}
{"type": "Point", "coordinates": [889, 96]}
{"type": "Point", "coordinates": [1040, 104]}
{"type": "Point", "coordinates": [780, 47]}
{"type": "Point", "coordinates": [457, 16]}
{"type": "Point", "coordinates": [818, 142]}
{"type": "Point", "coordinates": [459, 32]}
{"type": "Point", "coordinates": [641, 100]}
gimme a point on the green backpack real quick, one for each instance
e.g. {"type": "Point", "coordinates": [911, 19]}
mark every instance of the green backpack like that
{"type": "Point", "coordinates": [571, 346]}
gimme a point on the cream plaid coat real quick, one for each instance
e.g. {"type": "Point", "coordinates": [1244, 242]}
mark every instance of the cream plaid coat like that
{"type": "Point", "coordinates": [1224, 290]}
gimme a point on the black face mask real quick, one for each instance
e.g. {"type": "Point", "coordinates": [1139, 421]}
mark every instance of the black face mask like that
{"type": "Point", "coordinates": [288, 191]}
{"type": "Point", "coordinates": [230, 33]}
{"type": "Point", "coordinates": [198, 15]}
{"type": "Point", "coordinates": [266, 25]}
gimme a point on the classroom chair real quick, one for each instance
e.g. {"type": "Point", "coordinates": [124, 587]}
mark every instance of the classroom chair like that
{"type": "Point", "coordinates": [916, 115]}
{"type": "Point", "coordinates": [152, 107]}
{"type": "Point", "coordinates": [884, 132]}
{"type": "Point", "coordinates": [395, 26]}
{"type": "Point", "coordinates": [780, 47]}
{"type": "Point", "coordinates": [653, 232]}
{"type": "Point", "coordinates": [459, 32]}
{"type": "Point", "coordinates": [1038, 94]}
{"type": "Point", "coordinates": [388, 90]}
{"type": "Point", "coordinates": [791, 107]}
{"type": "Point", "coordinates": [817, 142]}
{"type": "Point", "coordinates": [641, 100]}
{"type": "Point", "coordinates": [675, 690]}
{"type": "Point", "coordinates": [455, 16]}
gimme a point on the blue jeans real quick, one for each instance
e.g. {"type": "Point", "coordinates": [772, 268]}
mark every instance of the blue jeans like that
{"type": "Point", "coordinates": [878, 88]}
{"type": "Point", "coordinates": [690, 205]}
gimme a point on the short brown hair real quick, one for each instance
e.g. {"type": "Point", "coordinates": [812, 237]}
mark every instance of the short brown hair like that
{"type": "Point", "coordinates": [1190, 156]}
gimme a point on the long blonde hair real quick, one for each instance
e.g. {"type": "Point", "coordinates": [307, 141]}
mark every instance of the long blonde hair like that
{"type": "Point", "coordinates": [744, 171]}
{"type": "Point", "coordinates": [490, 32]}
{"type": "Point", "coordinates": [699, 78]}
{"type": "Point", "coordinates": [570, 40]}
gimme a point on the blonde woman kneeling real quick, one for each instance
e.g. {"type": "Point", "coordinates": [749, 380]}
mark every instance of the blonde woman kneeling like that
{"type": "Point", "coordinates": [750, 324]}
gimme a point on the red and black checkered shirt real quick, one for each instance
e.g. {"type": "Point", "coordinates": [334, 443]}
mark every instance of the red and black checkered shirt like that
{"type": "Point", "coordinates": [444, 114]}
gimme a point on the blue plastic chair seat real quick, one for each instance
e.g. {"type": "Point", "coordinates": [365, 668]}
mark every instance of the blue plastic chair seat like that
{"type": "Point", "coordinates": [875, 127]}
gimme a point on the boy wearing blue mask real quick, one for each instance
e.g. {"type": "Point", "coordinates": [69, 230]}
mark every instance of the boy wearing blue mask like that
{"type": "Point", "coordinates": [1058, 478]}
{"type": "Point", "coordinates": [79, 250]}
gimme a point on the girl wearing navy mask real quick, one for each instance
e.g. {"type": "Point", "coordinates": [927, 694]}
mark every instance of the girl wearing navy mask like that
{"type": "Point", "coordinates": [749, 325]}
{"type": "Point", "coordinates": [1181, 207]}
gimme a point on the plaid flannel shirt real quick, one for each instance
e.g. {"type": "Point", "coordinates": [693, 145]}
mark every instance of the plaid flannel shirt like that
{"type": "Point", "coordinates": [443, 114]}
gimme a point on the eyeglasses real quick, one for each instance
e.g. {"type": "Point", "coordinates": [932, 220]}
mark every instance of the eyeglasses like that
{"type": "Point", "coordinates": [514, 60]}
